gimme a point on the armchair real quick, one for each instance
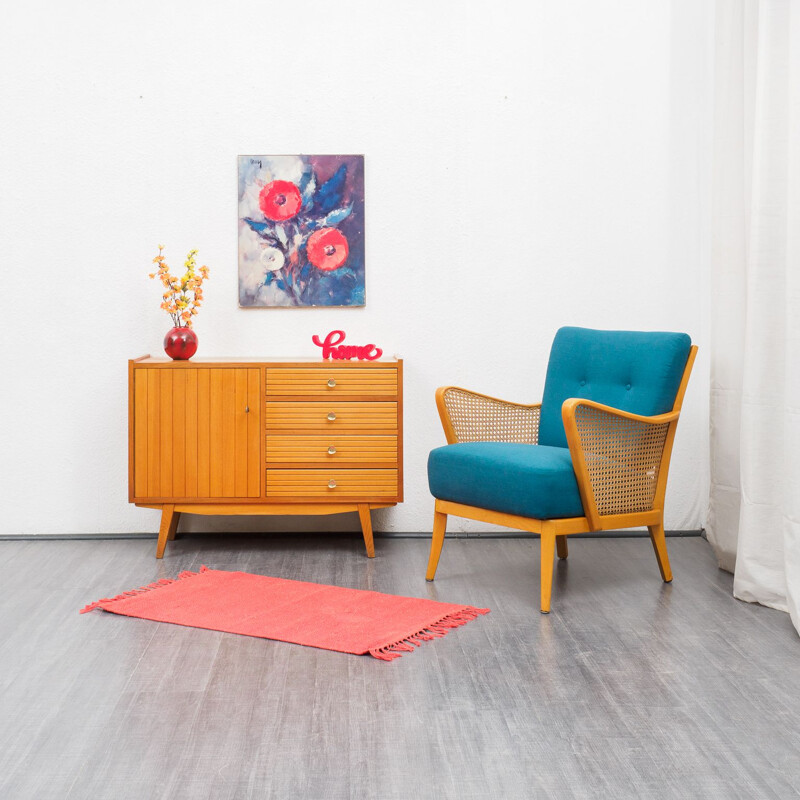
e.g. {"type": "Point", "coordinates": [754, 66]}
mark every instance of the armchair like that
{"type": "Point", "coordinates": [592, 456]}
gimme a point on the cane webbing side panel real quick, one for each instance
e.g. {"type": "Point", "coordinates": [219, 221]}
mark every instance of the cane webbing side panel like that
{"type": "Point", "coordinates": [476, 418]}
{"type": "Point", "coordinates": [623, 458]}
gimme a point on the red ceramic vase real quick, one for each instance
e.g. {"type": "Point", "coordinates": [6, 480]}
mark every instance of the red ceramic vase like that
{"type": "Point", "coordinates": [180, 343]}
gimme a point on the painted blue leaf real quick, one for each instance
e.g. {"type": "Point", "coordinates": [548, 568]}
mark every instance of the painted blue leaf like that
{"type": "Point", "coordinates": [281, 234]}
{"type": "Point", "coordinates": [336, 288]}
{"type": "Point", "coordinates": [329, 195]}
{"type": "Point", "coordinates": [305, 272]}
{"type": "Point", "coordinates": [268, 278]}
{"type": "Point", "coordinates": [335, 217]}
{"type": "Point", "coordinates": [305, 178]}
{"type": "Point", "coordinates": [308, 192]}
{"type": "Point", "coordinates": [358, 296]}
{"type": "Point", "coordinates": [259, 227]}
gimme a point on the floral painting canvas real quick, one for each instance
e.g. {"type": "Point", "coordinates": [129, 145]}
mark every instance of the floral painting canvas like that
{"type": "Point", "coordinates": [301, 231]}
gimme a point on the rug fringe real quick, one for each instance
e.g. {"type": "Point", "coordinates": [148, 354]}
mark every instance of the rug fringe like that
{"type": "Point", "coordinates": [436, 630]}
{"type": "Point", "coordinates": [143, 589]}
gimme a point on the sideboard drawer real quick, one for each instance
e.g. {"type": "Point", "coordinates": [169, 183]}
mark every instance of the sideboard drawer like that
{"type": "Point", "coordinates": [333, 416]}
{"type": "Point", "coordinates": [332, 382]}
{"type": "Point", "coordinates": [374, 451]}
{"type": "Point", "coordinates": [332, 484]}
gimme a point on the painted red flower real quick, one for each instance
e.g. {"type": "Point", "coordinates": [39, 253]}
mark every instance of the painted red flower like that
{"type": "Point", "coordinates": [280, 200]}
{"type": "Point", "coordinates": [327, 249]}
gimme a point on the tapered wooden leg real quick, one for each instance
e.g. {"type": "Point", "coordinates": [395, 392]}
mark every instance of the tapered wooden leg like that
{"type": "Point", "coordinates": [169, 524]}
{"type": "Point", "coordinates": [366, 528]}
{"type": "Point", "coordinates": [561, 546]}
{"type": "Point", "coordinates": [173, 529]}
{"type": "Point", "coordinates": [439, 527]}
{"type": "Point", "coordinates": [660, 546]}
{"type": "Point", "coordinates": [548, 546]}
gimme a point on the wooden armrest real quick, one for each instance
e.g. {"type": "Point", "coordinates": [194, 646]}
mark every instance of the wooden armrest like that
{"type": "Point", "coordinates": [472, 417]}
{"type": "Point", "coordinates": [620, 459]}
{"type": "Point", "coordinates": [569, 406]}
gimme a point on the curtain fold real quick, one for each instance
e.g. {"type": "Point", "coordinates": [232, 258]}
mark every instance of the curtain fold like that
{"type": "Point", "coordinates": [754, 511]}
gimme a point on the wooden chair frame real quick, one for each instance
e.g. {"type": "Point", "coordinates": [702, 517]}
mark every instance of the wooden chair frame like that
{"type": "Point", "coordinates": [611, 482]}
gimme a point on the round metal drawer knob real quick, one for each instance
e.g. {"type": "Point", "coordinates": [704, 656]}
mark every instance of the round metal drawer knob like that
{"type": "Point", "coordinates": [331, 484]}
{"type": "Point", "coordinates": [331, 383]}
{"type": "Point", "coordinates": [331, 416]}
{"type": "Point", "coordinates": [331, 451]}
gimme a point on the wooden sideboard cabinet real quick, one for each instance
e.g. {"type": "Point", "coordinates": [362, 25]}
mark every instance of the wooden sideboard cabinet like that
{"type": "Point", "coordinates": [224, 436]}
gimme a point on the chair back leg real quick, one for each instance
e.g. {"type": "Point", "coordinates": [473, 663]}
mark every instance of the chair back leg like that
{"type": "Point", "coordinates": [660, 547]}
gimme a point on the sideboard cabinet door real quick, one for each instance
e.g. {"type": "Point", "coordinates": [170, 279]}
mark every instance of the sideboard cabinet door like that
{"type": "Point", "coordinates": [196, 433]}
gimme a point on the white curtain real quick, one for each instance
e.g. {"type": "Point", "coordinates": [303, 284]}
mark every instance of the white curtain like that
{"type": "Point", "coordinates": [754, 514]}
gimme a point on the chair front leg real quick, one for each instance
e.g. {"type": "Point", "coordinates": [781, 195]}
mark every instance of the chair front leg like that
{"type": "Point", "coordinates": [439, 526]}
{"type": "Point", "coordinates": [660, 546]}
{"type": "Point", "coordinates": [548, 548]}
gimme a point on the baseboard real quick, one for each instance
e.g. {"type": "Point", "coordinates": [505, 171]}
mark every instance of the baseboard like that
{"type": "Point", "coordinates": [511, 534]}
{"type": "Point", "coordinates": [634, 534]}
{"type": "Point", "coordinates": [60, 537]}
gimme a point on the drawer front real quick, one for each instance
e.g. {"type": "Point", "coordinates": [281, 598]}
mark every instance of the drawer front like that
{"type": "Point", "coordinates": [332, 416]}
{"type": "Point", "coordinates": [378, 451]}
{"type": "Point", "coordinates": [333, 382]}
{"type": "Point", "coordinates": [332, 484]}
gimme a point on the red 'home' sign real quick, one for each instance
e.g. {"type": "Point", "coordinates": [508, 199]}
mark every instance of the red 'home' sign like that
{"type": "Point", "coordinates": [333, 348]}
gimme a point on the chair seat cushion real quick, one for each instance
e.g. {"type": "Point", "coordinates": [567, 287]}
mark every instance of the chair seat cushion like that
{"type": "Point", "coordinates": [525, 479]}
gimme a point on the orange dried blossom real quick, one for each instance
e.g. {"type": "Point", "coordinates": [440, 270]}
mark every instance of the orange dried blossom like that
{"type": "Point", "coordinates": [182, 296]}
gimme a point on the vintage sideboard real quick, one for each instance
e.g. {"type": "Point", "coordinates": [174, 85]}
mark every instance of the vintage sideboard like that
{"type": "Point", "coordinates": [228, 436]}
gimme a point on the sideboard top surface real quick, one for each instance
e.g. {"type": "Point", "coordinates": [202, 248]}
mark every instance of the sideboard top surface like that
{"type": "Point", "coordinates": [150, 361]}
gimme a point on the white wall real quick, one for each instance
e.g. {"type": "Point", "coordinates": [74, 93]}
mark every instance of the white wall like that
{"type": "Point", "coordinates": [528, 165]}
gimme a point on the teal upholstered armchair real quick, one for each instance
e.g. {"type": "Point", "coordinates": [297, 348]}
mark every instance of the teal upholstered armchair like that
{"type": "Point", "coordinates": [593, 455]}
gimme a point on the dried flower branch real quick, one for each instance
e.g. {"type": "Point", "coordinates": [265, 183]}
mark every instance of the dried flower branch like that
{"type": "Point", "coordinates": [182, 297]}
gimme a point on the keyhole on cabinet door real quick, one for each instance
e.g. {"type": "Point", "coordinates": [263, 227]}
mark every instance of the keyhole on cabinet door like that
{"type": "Point", "coordinates": [247, 409]}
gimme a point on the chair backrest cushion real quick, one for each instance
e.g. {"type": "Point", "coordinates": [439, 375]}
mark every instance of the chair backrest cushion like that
{"type": "Point", "coordinates": [635, 371]}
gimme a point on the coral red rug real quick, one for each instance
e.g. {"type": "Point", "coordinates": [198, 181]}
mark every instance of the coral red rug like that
{"type": "Point", "coordinates": [345, 620]}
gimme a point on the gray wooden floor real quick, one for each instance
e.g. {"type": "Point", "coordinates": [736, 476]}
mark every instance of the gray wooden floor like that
{"type": "Point", "coordinates": [630, 688]}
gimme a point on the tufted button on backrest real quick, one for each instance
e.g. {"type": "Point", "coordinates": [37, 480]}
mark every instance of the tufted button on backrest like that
{"type": "Point", "coordinates": [635, 371]}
